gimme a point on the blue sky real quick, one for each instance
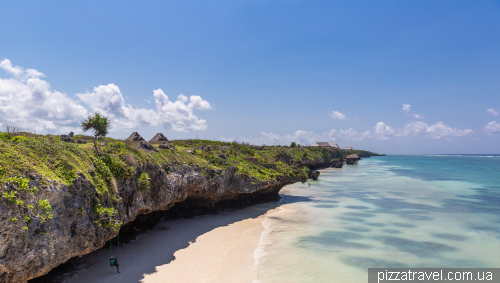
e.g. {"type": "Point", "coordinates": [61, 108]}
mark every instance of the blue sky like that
{"type": "Point", "coordinates": [260, 71]}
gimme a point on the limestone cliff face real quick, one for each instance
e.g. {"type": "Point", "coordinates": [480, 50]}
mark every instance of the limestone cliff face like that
{"type": "Point", "coordinates": [328, 158]}
{"type": "Point", "coordinates": [77, 228]}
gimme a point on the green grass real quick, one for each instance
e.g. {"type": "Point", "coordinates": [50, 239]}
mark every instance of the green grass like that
{"type": "Point", "coordinates": [24, 155]}
{"type": "Point", "coordinates": [58, 161]}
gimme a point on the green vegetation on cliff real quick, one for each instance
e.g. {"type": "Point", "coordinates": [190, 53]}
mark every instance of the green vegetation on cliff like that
{"type": "Point", "coordinates": [59, 161]}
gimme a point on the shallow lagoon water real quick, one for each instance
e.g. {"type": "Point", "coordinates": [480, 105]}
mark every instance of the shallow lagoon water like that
{"type": "Point", "coordinates": [394, 211]}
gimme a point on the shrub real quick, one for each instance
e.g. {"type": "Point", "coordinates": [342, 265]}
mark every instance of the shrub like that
{"type": "Point", "coordinates": [246, 150]}
{"type": "Point", "coordinates": [143, 182]}
{"type": "Point", "coordinates": [66, 172]}
{"type": "Point", "coordinates": [105, 217]}
{"type": "Point", "coordinates": [18, 139]}
{"type": "Point", "coordinates": [4, 136]}
{"type": "Point", "coordinates": [117, 167]}
{"type": "Point", "coordinates": [102, 169]}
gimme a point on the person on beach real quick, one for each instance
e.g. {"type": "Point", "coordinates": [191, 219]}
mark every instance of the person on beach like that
{"type": "Point", "coordinates": [113, 261]}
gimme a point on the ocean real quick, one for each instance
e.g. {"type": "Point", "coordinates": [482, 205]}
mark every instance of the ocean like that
{"type": "Point", "coordinates": [393, 211]}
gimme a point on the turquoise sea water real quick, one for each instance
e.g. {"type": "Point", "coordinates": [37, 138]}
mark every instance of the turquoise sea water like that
{"type": "Point", "coordinates": [393, 211]}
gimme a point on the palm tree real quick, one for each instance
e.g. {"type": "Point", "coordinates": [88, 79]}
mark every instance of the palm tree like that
{"type": "Point", "coordinates": [99, 124]}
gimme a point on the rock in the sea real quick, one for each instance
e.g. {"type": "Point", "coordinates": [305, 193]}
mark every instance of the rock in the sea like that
{"type": "Point", "coordinates": [81, 141]}
{"type": "Point", "coordinates": [314, 175]}
{"type": "Point", "coordinates": [338, 164]}
{"type": "Point", "coordinates": [144, 144]}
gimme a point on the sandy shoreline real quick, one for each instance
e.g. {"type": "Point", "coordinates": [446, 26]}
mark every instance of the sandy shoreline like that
{"type": "Point", "coordinates": [212, 248]}
{"type": "Point", "coordinates": [225, 254]}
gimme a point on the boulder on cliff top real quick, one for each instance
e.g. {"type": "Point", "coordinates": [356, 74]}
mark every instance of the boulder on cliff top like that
{"type": "Point", "coordinates": [144, 144]}
{"type": "Point", "coordinates": [67, 138]}
{"type": "Point", "coordinates": [165, 145]}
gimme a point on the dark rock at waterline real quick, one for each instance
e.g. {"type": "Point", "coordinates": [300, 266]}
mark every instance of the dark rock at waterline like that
{"type": "Point", "coordinates": [314, 175]}
{"type": "Point", "coordinates": [337, 164]}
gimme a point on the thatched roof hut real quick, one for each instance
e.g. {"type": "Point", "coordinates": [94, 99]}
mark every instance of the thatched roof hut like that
{"type": "Point", "coordinates": [159, 137]}
{"type": "Point", "coordinates": [135, 137]}
{"type": "Point", "coordinates": [351, 159]}
{"type": "Point", "coordinates": [349, 148]}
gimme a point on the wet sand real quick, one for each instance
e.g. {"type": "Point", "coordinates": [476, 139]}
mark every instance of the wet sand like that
{"type": "Point", "coordinates": [212, 248]}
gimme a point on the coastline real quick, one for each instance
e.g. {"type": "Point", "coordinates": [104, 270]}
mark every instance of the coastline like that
{"type": "Point", "coordinates": [225, 254]}
{"type": "Point", "coordinates": [210, 248]}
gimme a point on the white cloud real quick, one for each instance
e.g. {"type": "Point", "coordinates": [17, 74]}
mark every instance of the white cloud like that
{"type": "Point", "coordinates": [196, 102]}
{"type": "Point", "coordinates": [179, 115]}
{"type": "Point", "coordinates": [414, 128]}
{"type": "Point", "coordinates": [306, 137]}
{"type": "Point", "coordinates": [352, 135]}
{"type": "Point", "coordinates": [337, 115]}
{"type": "Point", "coordinates": [407, 110]}
{"type": "Point", "coordinates": [174, 114]}
{"type": "Point", "coordinates": [436, 131]}
{"type": "Point", "coordinates": [182, 97]}
{"type": "Point", "coordinates": [492, 112]}
{"type": "Point", "coordinates": [29, 102]}
{"type": "Point", "coordinates": [492, 128]}
{"type": "Point", "coordinates": [383, 131]}
{"type": "Point", "coordinates": [18, 72]}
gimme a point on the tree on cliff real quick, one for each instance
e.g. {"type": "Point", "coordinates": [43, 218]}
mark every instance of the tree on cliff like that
{"type": "Point", "coordinates": [99, 124]}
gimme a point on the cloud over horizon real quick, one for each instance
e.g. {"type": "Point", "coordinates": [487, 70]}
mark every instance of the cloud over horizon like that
{"type": "Point", "coordinates": [28, 101]}
{"type": "Point", "coordinates": [437, 130]}
{"type": "Point", "coordinates": [492, 128]}
{"type": "Point", "coordinates": [306, 137]}
{"type": "Point", "coordinates": [383, 131]}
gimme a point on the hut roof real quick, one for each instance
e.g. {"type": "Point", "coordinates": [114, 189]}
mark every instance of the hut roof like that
{"type": "Point", "coordinates": [135, 137]}
{"type": "Point", "coordinates": [159, 137]}
{"type": "Point", "coordinates": [349, 148]}
{"type": "Point", "coordinates": [323, 144]}
{"type": "Point", "coordinates": [352, 156]}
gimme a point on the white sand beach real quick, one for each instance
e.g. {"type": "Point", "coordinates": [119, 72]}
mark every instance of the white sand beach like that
{"type": "Point", "coordinates": [211, 248]}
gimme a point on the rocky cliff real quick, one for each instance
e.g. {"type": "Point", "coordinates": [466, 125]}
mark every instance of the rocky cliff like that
{"type": "Point", "coordinates": [83, 218]}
